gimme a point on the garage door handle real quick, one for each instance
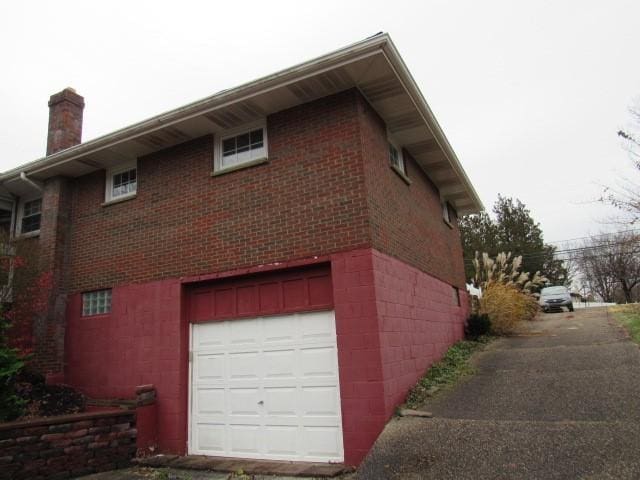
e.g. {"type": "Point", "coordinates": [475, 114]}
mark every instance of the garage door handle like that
{"type": "Point", "coordinates": [261, 402]}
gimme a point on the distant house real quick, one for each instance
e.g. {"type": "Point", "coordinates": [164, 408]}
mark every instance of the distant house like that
{"type": "Point", "coordinates": [281, 260]}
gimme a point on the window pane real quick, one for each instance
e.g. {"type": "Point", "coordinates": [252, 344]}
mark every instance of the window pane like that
{"type": "Point", "coordinates": [242, 142]}
{"type": "Point", "coordinates": [124, 183]}
{"type": "Point", "coordinates": [30, 223]}
{"type": "Point", "coordinates": [256, 139]}
{"type": "Point", "coordinates": [96, 303]}
{"type": "Point", "coordinates": [229, 146]}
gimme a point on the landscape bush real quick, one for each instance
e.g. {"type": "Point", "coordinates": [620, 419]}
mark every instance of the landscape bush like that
{"type": "Point", "coordinates": [477, 326]}
{"type": "Point", "coordinates": [506, 305]}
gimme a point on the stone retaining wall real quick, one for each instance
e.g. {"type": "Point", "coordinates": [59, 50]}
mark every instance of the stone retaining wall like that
{"type": "Point", "coordinates": [67, 446]}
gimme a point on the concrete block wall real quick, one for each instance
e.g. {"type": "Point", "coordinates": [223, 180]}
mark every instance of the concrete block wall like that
{"type": "Point", "coordinates": [418, 320]}
{"type": "Point", "coordinates": [142, 341]}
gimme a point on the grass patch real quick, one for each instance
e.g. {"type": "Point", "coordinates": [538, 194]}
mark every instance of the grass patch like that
{"type": "Point", "coordinates": [629, 317]}
{"type": "Point", "coordinates": [453, 366]}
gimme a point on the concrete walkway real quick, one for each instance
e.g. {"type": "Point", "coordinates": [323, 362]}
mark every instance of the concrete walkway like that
{"type": "Point", "coordinates": [561, 402]}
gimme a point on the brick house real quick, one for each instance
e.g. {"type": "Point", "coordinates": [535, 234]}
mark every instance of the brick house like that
{"type": "Point", "coordinates": [281, 260]}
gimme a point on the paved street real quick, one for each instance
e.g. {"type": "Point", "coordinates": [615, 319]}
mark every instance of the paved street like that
{"type": "Point", "coordinates": [562, 402]}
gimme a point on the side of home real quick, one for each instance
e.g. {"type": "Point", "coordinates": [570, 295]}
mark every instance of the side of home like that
{"type": "Point", "coordinates": [281, 260]}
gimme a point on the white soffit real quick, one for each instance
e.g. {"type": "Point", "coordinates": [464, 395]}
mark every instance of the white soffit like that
{"type": "Point", "coordinates": [373, 66]}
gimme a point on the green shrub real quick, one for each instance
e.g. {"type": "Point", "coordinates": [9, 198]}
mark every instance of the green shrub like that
{"type": "Point", "coordinates": [11, 364]}
{"type": "Point", "coordinates": [477, 325]}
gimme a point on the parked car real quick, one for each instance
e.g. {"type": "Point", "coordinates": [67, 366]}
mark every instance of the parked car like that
{"type": "Point", "coordinates": [554, 298]}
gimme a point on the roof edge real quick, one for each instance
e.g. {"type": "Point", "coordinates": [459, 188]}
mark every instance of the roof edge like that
{"type": "Point", "coordinates": [396, 61]}
{"type": "Point", "coordinates": [282, 77]}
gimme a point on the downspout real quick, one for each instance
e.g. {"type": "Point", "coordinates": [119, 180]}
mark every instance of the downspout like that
{"type": "Point", "coordinates": [37, 185]}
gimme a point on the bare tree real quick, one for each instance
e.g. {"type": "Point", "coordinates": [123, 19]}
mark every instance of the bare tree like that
{"type": "Point", "coordinates": [626, 195]}
{"type": "Point", "coordinates": [610, 263]}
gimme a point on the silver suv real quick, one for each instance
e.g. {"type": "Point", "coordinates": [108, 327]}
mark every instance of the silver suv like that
{"type": "Point", "coordinates": [554, 298]}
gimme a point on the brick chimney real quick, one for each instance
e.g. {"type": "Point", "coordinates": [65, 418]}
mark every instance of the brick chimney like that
{"type": "Point", "coordinates": [65, 120]}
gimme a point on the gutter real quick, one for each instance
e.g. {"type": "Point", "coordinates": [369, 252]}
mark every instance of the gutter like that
{"type": "Point", "coordinates": [351, 53]}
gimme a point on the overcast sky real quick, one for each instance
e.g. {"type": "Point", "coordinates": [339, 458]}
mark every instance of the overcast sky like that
{"type": "Point", "coordinates": [529, 93]}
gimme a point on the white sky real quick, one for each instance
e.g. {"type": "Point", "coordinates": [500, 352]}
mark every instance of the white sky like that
{"type": "Point", "coordinates": [530, 93]}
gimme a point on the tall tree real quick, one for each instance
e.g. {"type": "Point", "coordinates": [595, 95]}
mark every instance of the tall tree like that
{"type": "Point", "coordinates": [513, 230]}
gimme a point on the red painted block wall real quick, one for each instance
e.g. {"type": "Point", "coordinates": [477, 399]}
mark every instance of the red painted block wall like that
{"type": "Point", "coordinates": [141, 341]}
{"type": "Point", "coordinates": [419, 318]}
{"type": "Point", "coordinates": [392, 322]}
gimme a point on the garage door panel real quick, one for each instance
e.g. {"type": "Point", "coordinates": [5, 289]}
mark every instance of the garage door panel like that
{"type": "Point", "coordinates": [210, 401]}
{"type": "Point", "coordinates": [210, 367]}
{"type": "Point", "coordinates": [283, 440]}
{"type": "Point", "coordinates": [322, 442]}
{"type": "Point", "coordinates": [320, 401]}
{"type": "Point", "coordinates": [318, 362]}
{"type": "Point", "coordinates": [281, 401]}
{"type": "Point", "coordinates": [280, 363]}
{"type": "Point", "coordinates": [244, 365]}
{"type": "Point", "coordinates": [244, 439]}
{"type": "Point", "coordinates": [273, 384]}
{"type": "Point", "coordinates": [317, 327]}
{"type": "Point", "coordinates": [282, 329]}
{"type": "Point", "coordinates": [244, 401]}
{"type": "Point", "coordinates": [241, 333]}
{"type": "Point", "coordinates": [210, 438]}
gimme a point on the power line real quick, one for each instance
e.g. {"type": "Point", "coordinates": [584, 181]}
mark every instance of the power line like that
{"type": "Point", "coordinates": [542, 253]}
{"type": "Point", "coordinates": [635, 230]}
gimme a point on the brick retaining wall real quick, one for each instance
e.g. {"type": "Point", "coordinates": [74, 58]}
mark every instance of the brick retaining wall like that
{"type": "Point", "coordinates": [67, 446]}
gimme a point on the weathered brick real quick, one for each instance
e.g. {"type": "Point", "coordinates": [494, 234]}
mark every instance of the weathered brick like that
{"type": "Point", "coordinates": [63, 427]}
{"type": "Point", "coordinates": [94, 430]}
{"type": "Point", "coordinates": [27, 439]}
{"type": "Point", "coordinates": [96, 445]}
{"type": "Point", "coordinates": [50, 437]}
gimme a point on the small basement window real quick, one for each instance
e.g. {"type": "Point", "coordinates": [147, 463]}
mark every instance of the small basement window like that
{"type": "Point", "coordinates": [122, 182]}
{"type": "Point", "coordinates": [456, 296]}
{"type": "Point", "coordinates": [246, 146]}
{"type": "Point", "coordinates": [97, 302]}
{"type": "Point", "coordinates": [31, 216]}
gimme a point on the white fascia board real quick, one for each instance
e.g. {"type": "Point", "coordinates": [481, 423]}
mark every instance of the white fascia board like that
{"type": "Point", "coordinates": [349, 54]}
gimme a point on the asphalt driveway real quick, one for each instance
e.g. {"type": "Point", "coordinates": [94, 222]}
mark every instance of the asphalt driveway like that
{"type": "Point", "coordinates": [561, 402]}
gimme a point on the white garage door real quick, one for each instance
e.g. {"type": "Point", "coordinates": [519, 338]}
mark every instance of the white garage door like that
{"type": "Point", "coordinates": [267, 388]}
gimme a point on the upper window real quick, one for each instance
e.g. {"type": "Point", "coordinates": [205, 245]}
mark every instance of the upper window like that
{"type": "Point", "coordinates": [96, 303]}
{"type": "Point", "coordinates": [241, 147]}
{"type": "Point", "coordinates": [448, 213]}
{"type": "Point", "coordinates": [31, 215]}
{"type": "Point", "coordinates": [396, 159]}
{"type": "Point", "coordinates": [122, 182]}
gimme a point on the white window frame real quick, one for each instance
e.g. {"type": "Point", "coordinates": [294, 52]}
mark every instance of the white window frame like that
{"type": "Point", "coordinates": [108, 194]}
{"type": "Point", "coordinates": [108, 298]}
{"type": "Point", "coordinates": [20, 216]}
{"type": "Point", "coordinates": [446, 213]}
{"type": "Point", "coordinates": [219, 139]}
{"type": "Point", "coordinates": [401, 166]}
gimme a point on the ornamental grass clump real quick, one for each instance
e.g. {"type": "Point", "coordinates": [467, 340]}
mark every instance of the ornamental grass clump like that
{"type": "Point", "coordinates": [506, 306]}
{"type": "Point", "coordinates": [506, 291]}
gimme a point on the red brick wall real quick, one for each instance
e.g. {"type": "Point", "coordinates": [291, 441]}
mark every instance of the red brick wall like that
{"type": "Point", "coordinates": [406, 220]}
{"type": "Point", "coordinates": [308, 200]}
{"type": "Point", "coordinates": [418, 320]}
